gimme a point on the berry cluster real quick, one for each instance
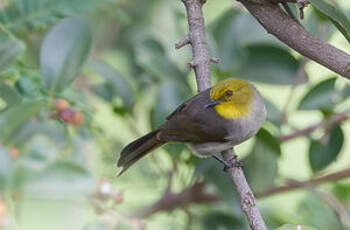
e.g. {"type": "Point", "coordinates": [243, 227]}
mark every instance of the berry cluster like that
{"type": "Point", "coordinates": [67, 114]}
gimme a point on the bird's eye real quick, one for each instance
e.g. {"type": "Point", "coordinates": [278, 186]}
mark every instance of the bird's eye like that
{"type": "Point", "coordinates": [229, 93]}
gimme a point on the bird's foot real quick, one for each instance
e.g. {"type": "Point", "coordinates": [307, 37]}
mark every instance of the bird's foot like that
{"type": "Point", "coordinates": [228, 164]}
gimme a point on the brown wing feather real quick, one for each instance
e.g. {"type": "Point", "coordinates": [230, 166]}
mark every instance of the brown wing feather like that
{"type": "Point", "coordinates": [192, 122]}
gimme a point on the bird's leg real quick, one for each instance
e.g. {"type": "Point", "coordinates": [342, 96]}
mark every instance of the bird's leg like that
{"type": "Point", "coordinates": [232, 163]}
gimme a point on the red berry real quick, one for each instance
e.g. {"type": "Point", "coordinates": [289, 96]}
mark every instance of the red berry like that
{"type": "Point", "coordinates": [14, 152]}
{"type": "Point", "coordinates": [78, 118]}
{"type": "Point", "coordinates": [66, 115]}
{"type": "Point", "coordinates": [61, 104]}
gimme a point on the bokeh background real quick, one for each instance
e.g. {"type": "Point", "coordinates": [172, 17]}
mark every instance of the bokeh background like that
{"type": "Point", "coordinates": [81, 79]}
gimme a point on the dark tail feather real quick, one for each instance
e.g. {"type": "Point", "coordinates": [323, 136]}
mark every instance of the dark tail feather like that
{"type": "Point", "coordinates": [137, 149]}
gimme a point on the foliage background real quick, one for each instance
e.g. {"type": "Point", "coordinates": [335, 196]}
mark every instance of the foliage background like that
{"type": "Point", "coordinates": [115, 62]}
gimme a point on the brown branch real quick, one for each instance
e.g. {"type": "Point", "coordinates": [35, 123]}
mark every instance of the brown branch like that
{"type": "Point", "coordinates": [290, 32]}
{"type": "Point", "coordinates": [200, 63]}
{"type": "Point", "coordinates": [334, 120]}
{"type": "Point", "coordinates": [293, 185]}
{"type": "Point", "coordinates": [169, 201]}
{"type": "Point", "coordinates": [248, 201]}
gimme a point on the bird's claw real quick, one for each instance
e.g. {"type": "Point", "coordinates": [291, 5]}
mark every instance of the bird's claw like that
{"type": "Point", "coordinates": [233, 163]}
{"type": "Point", "coordinates": [228, 164]}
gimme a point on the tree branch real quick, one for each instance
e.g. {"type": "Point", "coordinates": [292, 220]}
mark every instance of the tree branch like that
{"type": "Point", "coordinates": [169, 201]}
{"type": "Point", "coordinates": [334, 120]}
{"type": "Point", "coordinates": [248, 202]}
{"type": "Point", "coordinates": [292, 184]}
{"type": "Point", "coordinates": [200, 63]}
{"type": "Point", "coordinates": [290, 32]}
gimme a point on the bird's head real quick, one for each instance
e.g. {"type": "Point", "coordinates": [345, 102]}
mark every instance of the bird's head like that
{"type": "Point", "coordinates": [231, 98]}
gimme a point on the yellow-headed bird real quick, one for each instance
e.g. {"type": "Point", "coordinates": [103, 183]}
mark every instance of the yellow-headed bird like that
{"type": "Point", "coordinates": [212, 121]}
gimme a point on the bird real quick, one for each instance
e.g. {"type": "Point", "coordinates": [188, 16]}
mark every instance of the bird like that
{"type": "Point", "coordinates": [212, 121]}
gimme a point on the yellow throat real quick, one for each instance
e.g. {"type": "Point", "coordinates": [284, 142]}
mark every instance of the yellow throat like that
{"type": "Point", "coordinates": [236, 96]}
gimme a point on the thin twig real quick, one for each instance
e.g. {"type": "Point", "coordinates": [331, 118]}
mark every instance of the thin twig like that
{"type": "Point", "coordinates": [194, 194]}
{"type": "Point", "coordinates": [200, 63]}
{"type": "Point", "coordinates": [334, 120]}
{"type": "Point", "coordinates": [183, 42]}
{"type": "Point", "coordinates": [293, 185]}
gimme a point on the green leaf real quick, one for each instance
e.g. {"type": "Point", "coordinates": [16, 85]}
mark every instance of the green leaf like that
{"type": "Point", "coordinates": [214, 174]}
{"type": "Point", "coordinates": [274, 115]}
{"type": "Point", "coordinates": [63, 52]}
{"type": "Point", "coordinates": [60, 180]}
{"type": "Point", "coordinates": [269, 64]}
{"type": "Point", "coordinates": [322, 154]}
{"type": "Point", "coordinates": [22, 15]}
{"type": "Point", "coordinates": [10, 48]}
{"type": "Point", "coordinates": [5, 167]}
{"type": "Point", "coordinates": [114, 83]}
{"type": "Point", "coordinates": [15, 117]}
{"type": "Point", "coordinates": [334, 14]}
{"type": "Point", "coordinates": [153, 59]}
{"type": "Point", "coordinates": [221, 220]}
{"type": "Point", "coordinates": [250, 33]}
{"type": "Point", "coordinates": [320, 96]}
{"type": "Point", "coordinates": [295, 227]}
{"type": "Point", "coordinates": [9, 94]}
{"type": "Point", "coordinates": [171, 97]}
{"type": "Point", "coordinates": [313, 211]}
{"type": "Point", "coordinates": [223, 43]}
{"type": "Point", "coordinates": [261, 163]}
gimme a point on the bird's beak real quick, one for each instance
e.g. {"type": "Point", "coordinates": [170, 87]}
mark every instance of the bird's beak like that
{"type": "Point", "coordinates": [212, 103]}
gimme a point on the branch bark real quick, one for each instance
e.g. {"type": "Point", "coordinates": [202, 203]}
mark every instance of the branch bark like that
{"type": "Point", "coordinates": [200, 63]}
{"type": "Point", "coordinates": [290, 32]}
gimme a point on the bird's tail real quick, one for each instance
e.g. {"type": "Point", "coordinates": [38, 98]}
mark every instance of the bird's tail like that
{"type": "Point", "coordinates": [137, 149]}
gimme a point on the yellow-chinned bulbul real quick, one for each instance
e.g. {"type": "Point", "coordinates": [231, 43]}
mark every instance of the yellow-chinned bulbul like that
{"type": "Point", "coordinates": [212, 121]}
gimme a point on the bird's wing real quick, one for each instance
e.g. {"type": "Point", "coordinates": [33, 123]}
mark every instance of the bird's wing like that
{"type": "Point", "coordinates": [192, 122]}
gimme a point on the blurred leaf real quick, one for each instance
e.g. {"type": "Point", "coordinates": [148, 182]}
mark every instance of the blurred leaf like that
{"type": "Point", "coordinates": [269, 64]}
{"type": "Point", "coordinates": [151, 57]}
{"type": "Point", "coordinates": [9, 94]}
{"type": "Point", "coordinates": [320, 96]}
{"type": "Point", "coordinates": [10, 48]}
{"type": "Point", "coordinates": [175, 149]}
{"type": "Point", "coordinates": [15, 117]}
{"type": "Point", "coordinates": [97, 225]}
{"type": "Point", "coordinates": [322, 154]}
{"type": "Point", "coordinates": [342, 191]}
{"type": "Point", "coordinates": [61, 180]}
{"type": "Point", "coordinates": [115, 83]}
{"type": "Point", "coordinates": [214, 174]}
{"type": "Point", "coordinates": [318, 24]}
{"type": "Point", "coordinates": [70, 42]}
{"type": "Point", "coordinates": [29, 14]}
{"type": "Point", "coordinates": [30, 85]}
{"type": "Point", "coordinates": [250, 33]}
{"type": "Point", "coordinates": [222, 41]}
{"type": "Point", "coordinates": [345, 92]}
{"type": "Point", "coordinates": [274, 115]}
{"type": "Point", "coordinates": [171, 97]}
{"type": "Point", "coordinates": [334, 14]}
{"type": "Point", "coordinates": [295, 227]}
{"type": "Point", "coordinates": [5, 167]}
{"type": "Point", "coordinates": [104, 90]}
{"type": "Point", "coordinates": [217, 220]}
{"type": "Point", "coordinates": [314, 212]}
{"type": "Point", "coordinates": [261, 164]}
